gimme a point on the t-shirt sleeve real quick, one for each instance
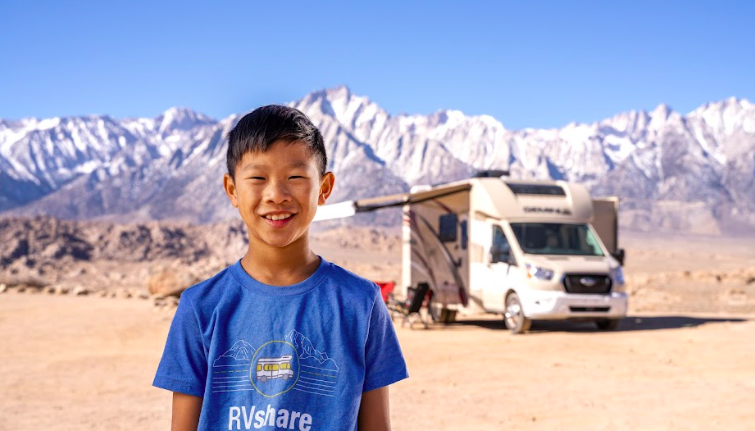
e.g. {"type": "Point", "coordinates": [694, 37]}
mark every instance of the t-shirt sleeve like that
{"type": "Point", "coordinates": [384, 361]}
{"type": "Point", "coordinates": [183, 367]}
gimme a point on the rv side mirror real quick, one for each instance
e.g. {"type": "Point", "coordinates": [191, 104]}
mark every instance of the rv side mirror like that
{"type": "Point", "coordinates": [619, 256]}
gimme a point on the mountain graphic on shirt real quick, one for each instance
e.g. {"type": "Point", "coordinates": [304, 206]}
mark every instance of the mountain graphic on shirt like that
{"type": "Point", "coordinates": [240, 354]}
{"type": "Point", "coordinates": [308, 355]}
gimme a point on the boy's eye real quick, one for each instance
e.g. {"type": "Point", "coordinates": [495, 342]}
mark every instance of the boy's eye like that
{"type": "Point", "coordinates": [256, 178]}
{"type": "Point", "coordinates": [295, 176]}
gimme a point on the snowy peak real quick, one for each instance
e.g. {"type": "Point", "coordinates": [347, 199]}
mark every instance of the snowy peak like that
{"type": "Point", "coordinates": [239, 354]}
{"type": "Point", "coordinates": [342, 104]}
{"type": "Point", "coordinates": [178, 118]}
{"type": "Point", "coordinates": [727, 116]}
{"type": "Point", "coordinates": [307, 351]}
{"type": "Point", "coordinates": [660, 115]}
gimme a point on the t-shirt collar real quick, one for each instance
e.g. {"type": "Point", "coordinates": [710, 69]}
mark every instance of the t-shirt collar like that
{"type": "Point", "coordinates": [310, 283]}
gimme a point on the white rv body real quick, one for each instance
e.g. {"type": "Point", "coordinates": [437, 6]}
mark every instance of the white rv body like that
{"type": "Point", "coordinates": [502, 246]}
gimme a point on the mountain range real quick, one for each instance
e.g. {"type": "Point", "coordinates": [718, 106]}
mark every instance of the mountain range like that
{"type": "Point", "coordinates": [308, 354]}
{"type": "Point", "coordinates": [239, 354]}
{"type": "Point", "coordinates": [691, 173]}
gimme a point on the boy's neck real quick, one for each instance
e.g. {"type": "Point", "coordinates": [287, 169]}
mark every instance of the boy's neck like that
{"type": "Point", "coordinates": [280, 266]}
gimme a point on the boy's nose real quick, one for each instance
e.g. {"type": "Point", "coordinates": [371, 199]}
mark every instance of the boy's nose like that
{"type": "Point", "coordinates": [277, 192]}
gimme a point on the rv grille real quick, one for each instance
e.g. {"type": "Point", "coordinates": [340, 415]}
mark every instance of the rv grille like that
{"type": "Point", "coordinates": [590, 309]}
{"type": "Point", "coordinates": [587, 283]}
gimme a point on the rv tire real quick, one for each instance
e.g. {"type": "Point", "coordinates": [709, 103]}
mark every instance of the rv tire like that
{"type": "Point", "coordinates": [607, 324]}
{"type": "Point", "coordinates": [451, 316]}
{"type": "Point", "coordinates": [447, 316]}
{"type": "Point", "coordinates": [513, 316]}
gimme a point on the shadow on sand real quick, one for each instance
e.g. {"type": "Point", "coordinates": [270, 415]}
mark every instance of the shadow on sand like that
{"type": "Point", "coordinates": [628, 324]}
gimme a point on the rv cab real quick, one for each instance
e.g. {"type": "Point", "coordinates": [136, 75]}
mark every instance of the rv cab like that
{"type": "Point", "coordinates": [551, 271]}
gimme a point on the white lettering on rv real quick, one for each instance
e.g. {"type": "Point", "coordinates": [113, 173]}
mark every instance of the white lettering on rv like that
{"type": "Point", "coordinates": [269, 417]}
{"type": "Point", "coordinates": [562, 211]}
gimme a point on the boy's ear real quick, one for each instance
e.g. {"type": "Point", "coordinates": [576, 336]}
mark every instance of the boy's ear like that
{"type": "Point", "coordinates": [230, 190]}
{"type": "Point", "coordinates": [326, 187]}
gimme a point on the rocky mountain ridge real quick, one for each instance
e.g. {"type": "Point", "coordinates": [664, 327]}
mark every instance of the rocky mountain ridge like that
{"type": "Point", "coordinates": [693, 172]}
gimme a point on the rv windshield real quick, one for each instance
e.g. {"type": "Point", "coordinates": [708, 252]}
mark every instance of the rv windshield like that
{"type": "Point", "coordinates": [557, 238]}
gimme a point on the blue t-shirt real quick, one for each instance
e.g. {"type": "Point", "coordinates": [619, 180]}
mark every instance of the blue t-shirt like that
{"type": "Point", "coordinates": [293, 357]}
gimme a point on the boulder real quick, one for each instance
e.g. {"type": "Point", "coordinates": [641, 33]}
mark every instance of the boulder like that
{"type": "Point", "coordinates": [170, 282]}
{"type": "Point", "coordinates": [80, 291]}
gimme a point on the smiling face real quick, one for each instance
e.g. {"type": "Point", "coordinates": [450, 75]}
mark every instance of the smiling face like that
{"type": "Point", "coordinates": [277, 193]}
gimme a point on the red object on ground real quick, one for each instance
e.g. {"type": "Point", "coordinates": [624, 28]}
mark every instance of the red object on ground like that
{"type": "Point", "coordinates": [386, 288]}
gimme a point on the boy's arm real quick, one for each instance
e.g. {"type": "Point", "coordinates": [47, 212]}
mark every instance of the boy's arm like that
{"type": "Point", "coordinates": [374, 412]}
{"type": "Point", "coordinates": [186, 409]}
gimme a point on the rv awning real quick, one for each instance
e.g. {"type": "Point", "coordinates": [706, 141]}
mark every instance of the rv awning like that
{"type": "Point", "coordinates": [349, 208]}
{"type": "Point", "coordinates": [366, 205]}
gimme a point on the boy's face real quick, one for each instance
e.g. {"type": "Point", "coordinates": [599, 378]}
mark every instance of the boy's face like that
{"type": "Point", "coordinates": [282, 183]}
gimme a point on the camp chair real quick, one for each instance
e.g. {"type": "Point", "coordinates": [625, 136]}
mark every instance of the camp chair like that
{"type": "Point", "coordinates": [412, 305]}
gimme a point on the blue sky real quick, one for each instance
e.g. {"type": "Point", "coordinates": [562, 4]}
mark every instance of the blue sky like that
{"type": "Point", "coordinates": [529, 64]}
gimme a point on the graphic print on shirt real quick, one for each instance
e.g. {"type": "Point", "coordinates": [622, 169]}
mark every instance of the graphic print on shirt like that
{"type": "Point", "coordinates": [319, 373]}
{"type": "Point", "coordinates": [276, 367]}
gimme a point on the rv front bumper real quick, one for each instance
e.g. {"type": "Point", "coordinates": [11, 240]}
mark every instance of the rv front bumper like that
{"type": "Point", "coordinates": [545, 305]}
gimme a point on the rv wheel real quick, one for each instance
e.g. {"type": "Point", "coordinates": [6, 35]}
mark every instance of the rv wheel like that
{"type": "Point", "coordinates": [447, 316]}
{"type": "Point", "coordinates": [514, 317]}
{"type": "Point", "coordinates": [607, 324]}
{"type": "Point", "coordinates": [451, 316]}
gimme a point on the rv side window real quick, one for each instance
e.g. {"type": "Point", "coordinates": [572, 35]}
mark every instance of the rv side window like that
{"type": "Point", "coordinates": [500, 249]}
{"type": "Point", "coordinates": [464, 237]}
{"type": "Point", "coordinates": [447, 230]}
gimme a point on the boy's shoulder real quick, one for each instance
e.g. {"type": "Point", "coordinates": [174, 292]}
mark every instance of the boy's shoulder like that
{"type": "Point", "coordinates": [347, 283]}
{"type": "Point", "coordinates": [207, 288]}
{"type": "Point", "coordinates": [343, 273]}
{"type": "Point", "coordinates": [352, 283]}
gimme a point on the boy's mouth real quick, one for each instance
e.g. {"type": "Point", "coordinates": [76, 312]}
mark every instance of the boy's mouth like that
{"type": "Point", "coordinates": [278, 220]}
{"type": "Point", "coordinates": [276, 217]}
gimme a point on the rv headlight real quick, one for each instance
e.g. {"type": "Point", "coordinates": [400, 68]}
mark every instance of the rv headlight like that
{"type": "Point", "coordinates": [617, 275]}
{"type": "Point", "coordinates": [538, 273]}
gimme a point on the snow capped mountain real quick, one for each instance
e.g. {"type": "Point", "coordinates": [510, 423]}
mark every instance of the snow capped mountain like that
{"type": "Point", "coordinates": [693, 172]}
{"type": "Point", "coordinates": [308, 354]}
{"type": "Point", "coordinates": [239, 354]}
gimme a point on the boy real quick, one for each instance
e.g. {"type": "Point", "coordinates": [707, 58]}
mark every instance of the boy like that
{"type": "Point", "coordinates": [282, 339]}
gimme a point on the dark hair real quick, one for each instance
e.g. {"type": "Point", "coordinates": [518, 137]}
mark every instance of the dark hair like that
{"type": "Point", "coordinates": [261, 128]}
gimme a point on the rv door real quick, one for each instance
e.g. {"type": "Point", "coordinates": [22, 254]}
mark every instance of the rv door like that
{"type": "Point", "coordinates": [606, 223]}
{"type": "Point", "coordinates": [493, 276]}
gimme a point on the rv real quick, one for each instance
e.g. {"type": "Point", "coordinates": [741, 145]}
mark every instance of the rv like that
{"type": "Point", "coordinates": [528, 250]}
{"type": "Point", "coordinates": [274, 368]}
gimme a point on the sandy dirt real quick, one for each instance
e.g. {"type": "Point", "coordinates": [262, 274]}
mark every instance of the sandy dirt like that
{"type": "Point", "coordinates": [73, 363]}
{"type": "Point", "coordinates": [683, 360]}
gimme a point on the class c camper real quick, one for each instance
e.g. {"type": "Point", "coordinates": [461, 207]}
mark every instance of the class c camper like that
{"type": "Point", "coordinates": [274, 368]}
{"type": "Point", "coordinates": [529, 250]}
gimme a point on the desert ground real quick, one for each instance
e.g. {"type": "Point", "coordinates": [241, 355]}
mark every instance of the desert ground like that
{"type": "Point", "coordinates": [684, 359]}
